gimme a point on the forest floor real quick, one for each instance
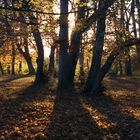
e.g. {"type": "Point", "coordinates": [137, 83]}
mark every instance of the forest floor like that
{"type": "Point", "coordinates": [40, 113]}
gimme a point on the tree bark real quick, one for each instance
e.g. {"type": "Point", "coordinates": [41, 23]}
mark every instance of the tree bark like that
{"type": "Point", "coordinates": [40, 59]}
{"type": "Point", "coordinates": [63, 73]}
{"type": "Point", "coordinates": [97, 85]}
{"type": "Point", "coordinates": [121, 67]}
{"type": "Point", "coordinates": [20, 66]}
{"type": "Point", "coordinates": [13, 59]}
{"type": "Point", "coordinates": [128, 65]}
{"type": "Point", "coordinates": [76, 39]}
{"type": "Point", "coordinates": [138, 8]}
{"type": "Point", "coordinates": [81, 63]}
{"type": "Point", "coordinates": [97, 52]}
{"type": "Point", "coordinates": [1, 68]}
{"type": "Point", "coordinates": [40, 51]}
{"type": "Point", "coordinates": [27, 57]}
{"type": "Point", "coordinates": [51, 64]}
{"type": "Point", "coordinates": [105, 68]}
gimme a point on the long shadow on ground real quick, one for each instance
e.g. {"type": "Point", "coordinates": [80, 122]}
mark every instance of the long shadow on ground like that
{"type": "Point", "coordinates": [26, 115]}
{"type": "Point", "coordinates": [128, 83]}
{"type": "Point", "coordinates": [70, 121]}
{"type": "Point", "coordinates": [14, 77]}
{"type": "Point", "coordinates": [126, 126]}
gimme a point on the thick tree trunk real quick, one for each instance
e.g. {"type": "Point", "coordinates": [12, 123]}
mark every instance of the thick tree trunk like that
{"type": "Point", "coordinates": [40, 48]}
{"type": "Point", "coordinates": [74, 54]}
{"type": "Point", "coordinates": [97, 53]}
{"type": "Point", "coordinates": [1, 68]}
{"type": "Point", "coordinates": [76, 38]}
{"type": "Point", "coordinates": [63, 40]}
{"type": "Point", "coordinates": [105, 68]}
{"type": "Point", "coordinates": [134, 24]}
{"type": "Point", "coordinates": [40, 51]}
{"type": "Point", "coordinates": [97, 85]}
{"type": "Point", "coordinates": [138, 8]}
{"type": "Point", "coordinates": [133, 18]}
{"type": "Point", "coordinates": [40, 59]}
{"type": "Point", "coordinates": [13, 59]}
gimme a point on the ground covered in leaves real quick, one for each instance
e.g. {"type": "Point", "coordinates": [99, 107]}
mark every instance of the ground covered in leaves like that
{"type": "Point", "coordinates": [40, 113]}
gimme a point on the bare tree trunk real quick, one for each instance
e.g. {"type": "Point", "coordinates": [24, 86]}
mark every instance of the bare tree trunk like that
{"type": "Point", "coordinates": [105, 68]}
{"type": "Point", "coordinates": [40, 60]}
{"type": "Point", "coordinates": [120, 67]}
{"type": "Point", "coordinates": [138, 8]}
{"type": "Point", "coordinates": [76, 38]}
{"type": "Point", "coordinates": [97, 86]}
{"type": "Point", "coordinates": [40, 52]}
{"type": "Point", "coordinates": [13, 59]}
{"type": "Point", "coordinates": [137, 3]}
{"type": "Point", "coordinates": [128, 66]}
{"type": "Point", "coordinates": [63, 40]}
{"type": "Point", "coordinates": [97, 52]}
{"type": "Point", "coordinates": [20, 66]}
{"type": "Point", "coordinates": [81, 63]}
{"type": "Point", "coordinates": [1, 68]}
{"type": "Point", "coordinates": [27, 57]}
{"type": "Point", "coordinates": [51, 64]}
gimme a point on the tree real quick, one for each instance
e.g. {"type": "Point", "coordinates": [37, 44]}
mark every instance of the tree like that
{"type": "Point", "coordinates": [97, 51]}
{"type": "Point", "coordinates": [63, 41]}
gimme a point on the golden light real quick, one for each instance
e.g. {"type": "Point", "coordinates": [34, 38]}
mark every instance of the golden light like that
{"type": "Point", "coordinates": [46, 52]}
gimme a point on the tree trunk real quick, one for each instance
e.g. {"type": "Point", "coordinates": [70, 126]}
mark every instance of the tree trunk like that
{"type": "Point", "coordinates": [13, 59]}
{"type": "Point", "coordinates": [74, 54]}
{"type": "Point", "coordinates": [133, 18]}
{"type": "Point", "coordinates": [138, 8]}
{"type": "Point", "coordinates": [40, 51]}
{"type": "Point", "coordinates": [76, 38]}
{"type": "Point", "coordinates": [20, 66]}
{"type": "Point", "coordinates": [105, 68]}
{"type": "Point", "coordinates": [81, 63]}
{"type": "Point", "coordinates": [138, 52]}
{"type": "Point", "coordinates": [63, 40]}
{"type": "Point", "coordinates": [97, 85]}
{"type": "Point", "coordinates": [97, 53]}
{"type": "Point", "coordinates": [40, 59]}
{"type": "Point", "coordinates": [121, 67]}
{"type": "Point", "coordinates": [51, 64]}
{"type": "Point", "coordinates": [134, 24]}
{"type": "Point", "coordinates": [128, 66]}
{"type": "Point", "coordinates": [1, 68]}
{"type": "Point", "coordinates": [27, 57]}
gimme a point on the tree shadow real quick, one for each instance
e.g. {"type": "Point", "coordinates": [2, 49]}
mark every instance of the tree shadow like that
{"type": "Point", "coordinates": [126, 127]}
{"type": "Point", "coordinates": [70, 121]}
{"type": "Point", "coordinates": [129, 83]}
{"type": "Point", "coordinates": [27, 110]}
{"type": "Point", "coordinates": [14, 77]}
{"type": "Point", "coordinates": [32, 93]}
